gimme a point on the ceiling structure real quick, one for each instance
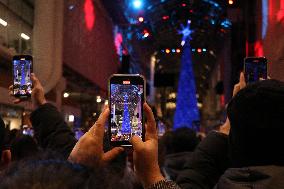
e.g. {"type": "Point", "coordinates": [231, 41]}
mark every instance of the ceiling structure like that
{"type": "Point", "coordinates": [163, 19]}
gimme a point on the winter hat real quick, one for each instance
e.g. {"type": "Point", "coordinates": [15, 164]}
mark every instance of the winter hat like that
{"type": "Point", "coordinates": [256, 115]}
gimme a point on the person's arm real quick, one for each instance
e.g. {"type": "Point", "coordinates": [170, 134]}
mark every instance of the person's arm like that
{"type": "Point", "coordinates": [51, 131]}
{"type": "Point", "coordinates": [207, 164]}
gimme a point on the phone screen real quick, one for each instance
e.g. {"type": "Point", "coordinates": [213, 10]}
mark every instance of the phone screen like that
{"type": "Point", "coordinates": [255, 69]}
{"type": "Point", "coordinates": [22, 76]}
{"type": "Point", "coordinates": [126, 113]}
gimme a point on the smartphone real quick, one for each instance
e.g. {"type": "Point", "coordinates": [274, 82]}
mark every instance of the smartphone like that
{"type": "Point", "coordinates": [126, 98]}
{"type": "Point", "coordinates": [22, 69]}
{"type": "Point", "coordinates": [255, 69]}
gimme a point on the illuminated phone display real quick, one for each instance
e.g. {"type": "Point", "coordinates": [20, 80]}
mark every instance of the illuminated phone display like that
{"type": "Point", "coordinates": [22, 67]}
{"type": "Point", "coordinates": [126, 110]}
{"type": "Point", "coordinates": [255, 69]}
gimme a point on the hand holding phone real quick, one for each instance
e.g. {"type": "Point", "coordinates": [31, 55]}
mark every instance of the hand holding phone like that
{"type": "Point", "coordinates": [126, 98]}
{"type": "Point", "coordinates": [255, 69]}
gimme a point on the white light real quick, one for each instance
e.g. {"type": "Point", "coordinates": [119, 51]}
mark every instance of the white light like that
{"type": "Point", "coordinates": [71, 118]}
{"type": "Point", "coordinates": [99, 99]}
{"type": "Point", "coordinates": [3, 22]}
{"type": "Point", "coordinates": [106, 102]}
{"type": "Point", "coordinates": [199, 105]}
{"type": "Point", "coordinates": [137, 4]}
{"type": "Point", "coordinates": [146, 35]}
{"type": "Point", "coordinates": [182, 43]}
{"type": "Point", "coordinates": [25, 36]}
{"type": "Point", "coordinates": [65, 95]}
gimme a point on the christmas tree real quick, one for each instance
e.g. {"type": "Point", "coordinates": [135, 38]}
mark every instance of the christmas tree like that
{"type": "Point", "coordinates": [186, 109]}
{"type": "Point", "coordinates": [126, 127]}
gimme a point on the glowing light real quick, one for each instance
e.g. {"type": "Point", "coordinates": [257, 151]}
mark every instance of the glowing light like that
{"type": "Point", "coordinates": [106, 102]}
{"type": "Point", "coordinates": [231, 2]}
{"type": "Point", "coordinates": [71, 118]}
{"type": "Point", "coordinates": [193, 50]}
{"type": "Point", "coordinates": [99, 99]}
{"type": "Point", "coordinates": [66, 95]}
{"type": "Point", "coordinates": [168, 51]}
{"type": "Point", "coordinates": [183, 4]}
{"type": "Point", "coordinates": [25, 36]}
{"type": "Point", "coordinates": [165, 17]}
{"type": "Point", "coordinates": [89, 14]}
{"type": "Point", "coordinates": [178, 50]}
{"type": "Point", "coordinates": [3, 22]}
{"type": "Point", "coordinates": [173, 50]}
{"type": "Point", "coordinates": [204, 50]}
{"type": "Point", "coordinates": [187, 111]}
{"type": "Point", "coordinates": [186, 32]}
{"type": "Point", "coordinates": [199, 50]}
{"type": "Point", "coordinates": [137, 4]}
{"type": "Point", "coordinates": [145, 33]}
{"type": "Point", "coordinates": [141, 19]}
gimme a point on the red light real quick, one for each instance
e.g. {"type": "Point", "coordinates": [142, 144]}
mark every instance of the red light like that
{"type": "Point", "coordinates": [199, 50]}
{"type": "Point", "coordinates": [126, 82]}
{"type": "Point", "coordinates": [145, 33]}
{"type": "Point", "coordinates": [141, 19]}
{"type": "Point", "coordinates": [191, 11]}
{"type": "Point", "coordinates": [231, 2]}
{"type": "Point", "coordinates": [183, 4]}
{"type": "Point", "coordinates": [178, 50]}
{"type": "Point", "coordinates": [89, 14]}
{"type": "Point", "coordinates": [166, 17]}
{"type": "Point", "coordinates": [168, 51]}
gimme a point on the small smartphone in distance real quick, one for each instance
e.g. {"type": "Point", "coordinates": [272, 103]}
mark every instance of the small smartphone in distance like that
{"type": "Point", "coordinates": [255, 69]}
{"type": "Point", "coordinates": [22, 69]}
{"type": "Point", "coordinates": [126, 98]}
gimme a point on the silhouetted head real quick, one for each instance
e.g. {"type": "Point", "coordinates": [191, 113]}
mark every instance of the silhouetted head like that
{"type": "Point", "coordinates": [256, 116]}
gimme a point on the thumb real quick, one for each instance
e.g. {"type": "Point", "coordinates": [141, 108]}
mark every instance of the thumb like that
{"type": "Point", "coordinates": [136, 142]}
{"type": "Point", "coordinates": [110, 155]}
{"type": "Point", "coordinates": [34, 79]}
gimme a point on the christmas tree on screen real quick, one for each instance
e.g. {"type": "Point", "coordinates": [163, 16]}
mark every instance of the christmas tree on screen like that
{"type": "Point", "coordinates": [186, 107]}
{"type": "Point", "coordinates": [126, 127]}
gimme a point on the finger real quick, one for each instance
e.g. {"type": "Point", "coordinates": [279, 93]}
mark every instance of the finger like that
{"type": "Point", "coordinates": [236, 89]}
{"type": "Point", "coordinates": [11, 87]}
{"type": "Point", "coordinates": [35, 80]}
{"type": "Point", "coordinates": [242, 81]}
{"type": "Point", "coordinates": [150, 135]}
{"type": "Point", "coordinates": [151, 130]}
{"type": "Point", "coordinates": [137, 143]}
{"type": "Point", "coordinates": [99, 127]}
{"type": "Point", "coordinates": [16, 101]}
{"type": "Point", "coordinates": [110, 155]}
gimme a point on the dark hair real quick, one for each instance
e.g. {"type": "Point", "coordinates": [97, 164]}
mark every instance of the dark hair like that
{"type": "Point", "coordinates": [61, 174]}
{"type": "Point", "coordinates": [182, 139]}
{"type": "Point", "coordinates": [23, 146]}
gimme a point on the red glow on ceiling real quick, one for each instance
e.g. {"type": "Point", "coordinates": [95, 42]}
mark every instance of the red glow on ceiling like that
{"type": "Point", "coordinates": [166, 17]}
{"type": "Point", "coordinates": [183, 4]}
{"type": "Point", "coordinates": [89, 14]}
{"type": "Point", "coordinates": [258, 48]}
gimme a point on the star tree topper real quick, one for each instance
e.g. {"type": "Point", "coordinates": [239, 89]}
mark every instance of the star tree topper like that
{"type": "Point", "coordinates": [185, 32]}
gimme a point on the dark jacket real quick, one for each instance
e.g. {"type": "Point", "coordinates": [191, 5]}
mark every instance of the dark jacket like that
{"type": "Point", "coordinates": [51, 131]}
{"type": "Point", "coordinates": [260, 177]}
{"type": "Point", "coordinates": [208, 162]}
{"type": "Point", "coordinates": [174, 163]}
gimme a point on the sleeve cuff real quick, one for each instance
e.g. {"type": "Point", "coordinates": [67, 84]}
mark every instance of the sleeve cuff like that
{"type": "Point", "coordinates": [164, 184]}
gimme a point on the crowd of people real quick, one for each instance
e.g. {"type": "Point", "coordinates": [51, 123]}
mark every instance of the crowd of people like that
{"type": "Point", "coordinates": [244, 153]}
